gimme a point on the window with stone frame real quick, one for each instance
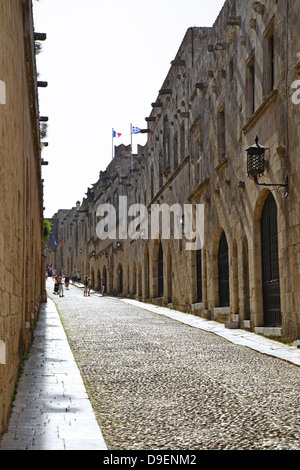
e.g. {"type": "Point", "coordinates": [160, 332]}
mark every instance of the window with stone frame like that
{"type": "Point", "coordinates": [160, 169]}
{"type": "Point", "coordinates": [182, 141]}
{"type": "Point", "coordinates": [250, 86]}
{"type": "Point", "coordinates": [175, 151]}
{"type": "Point", "coordinates": [269, 59]}
{"type": "Point", "coordinates": [197, 150]}
{"type": "Point", "coordinates": [166, 147]}
{"type": "Point", "coordinates": [221, 133]}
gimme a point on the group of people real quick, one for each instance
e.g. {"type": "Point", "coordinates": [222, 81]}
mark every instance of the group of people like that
{"type": "Point", "coordinates": [63, 280]}
{"type": "Point", "coordinates": [59, 282]}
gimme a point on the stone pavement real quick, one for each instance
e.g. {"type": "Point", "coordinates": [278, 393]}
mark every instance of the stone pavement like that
{"type": "Point", "coordinates": [52, 410]}
{"type": "Point", "coordinates": [237, 336]}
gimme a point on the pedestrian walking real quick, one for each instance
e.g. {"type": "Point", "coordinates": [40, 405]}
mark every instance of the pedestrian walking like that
{"type": "Point", "coordinates": [103, 287]}
{"type": "Point", "coordinates": [61, 287]}
{"type": "Point", "coordinates": [90, 285]}
{"type": "Point", "coordinates": [67, 281]}
{"type": "Point", "coordinates": [73, 276]}
{"type": "Point", "coordinates": [56, 284]}
{"type": "Point", "coordinates": [86, 286]}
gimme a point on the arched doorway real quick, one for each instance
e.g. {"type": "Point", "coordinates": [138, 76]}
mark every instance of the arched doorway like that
{"type": "Point", "coordinates": [223, 270]}
{"type": "Point", "coordinates": [120, 279]}
{"type": "Point", "coordinates": [246, 287]}
{"type": "Point", "coordinates": [134, 278]}
{"type": "Point", "coordinates": [98, 286]}
{"type": "Point", "coordinates": [139, 280]}
{"type": "Point", "coordinates": [270, 264]}
{"type": "Point", "coordinates": [199, 274]}
{"type": "Point", "coordinates": [146, 273]}
{"type": "Point", "coordinates": [104, 278]}
{"type": "Point", "coordinates": [160, 271]}
{"type": "Point", "coordinates": [170, 276]}
{"type": "Point", "coordinates": [92, 278]}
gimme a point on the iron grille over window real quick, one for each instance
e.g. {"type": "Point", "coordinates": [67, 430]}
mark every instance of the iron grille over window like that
{"type": "Point", "coordinates": [270, 264]}
{"type": "Point", "coordinates": [160, 271]}
{"type": "Point", "coordinates": [199, 275]}
{"type": "Point", "coordinates": [223, 266]}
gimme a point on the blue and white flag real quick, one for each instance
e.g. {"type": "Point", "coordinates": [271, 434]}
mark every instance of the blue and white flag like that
{"type": "Point", "coordinates": [54, 244]}
{"type": "Point", "coordinates": [136, 130]}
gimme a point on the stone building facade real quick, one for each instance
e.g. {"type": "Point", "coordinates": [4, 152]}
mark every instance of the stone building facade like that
{"type": "Point", "coordinates": [21, 194]}
{"type": "Point", "coordinates": [226, 85]}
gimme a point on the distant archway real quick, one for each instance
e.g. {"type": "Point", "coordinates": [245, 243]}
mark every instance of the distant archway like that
{"type": "Point", "coordinates": [146, 273]}
{"type": "Point", "coordinates": [120, 279]}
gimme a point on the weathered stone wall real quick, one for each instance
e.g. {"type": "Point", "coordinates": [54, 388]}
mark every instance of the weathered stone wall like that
{"type": "Point", "coordinates": [21, 222]}
{"type": "Point", "coordinates": [224, 88]}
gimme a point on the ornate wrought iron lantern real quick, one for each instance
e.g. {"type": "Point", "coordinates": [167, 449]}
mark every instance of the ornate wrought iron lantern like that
{"type": "Point", "coordinates": [256, 165]}
{"type": "Point", "coordinates": [256, 161]}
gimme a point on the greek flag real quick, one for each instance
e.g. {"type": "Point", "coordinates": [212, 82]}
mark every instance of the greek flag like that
{"type": "Point", "coordinates": [136, 130]}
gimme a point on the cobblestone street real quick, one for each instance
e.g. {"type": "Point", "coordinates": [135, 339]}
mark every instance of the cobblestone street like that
{"type": "Point", "coordinates": [158, 384]}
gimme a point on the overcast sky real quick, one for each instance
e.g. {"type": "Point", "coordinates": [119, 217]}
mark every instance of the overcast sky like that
{"type": "Point", "coordinates": [104, 61]}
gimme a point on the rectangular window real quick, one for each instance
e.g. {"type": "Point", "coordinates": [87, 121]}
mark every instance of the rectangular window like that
{"type": "Point", "coordinates": [269, 60]}
{"type": "Point", "coordinates": [175, 152]}
{"type": "Point", "coordinates": [221, 134]}
{"type": "Point", "coordinates": [250, 86]}
{"type": "Point", "coordinates": [182, 142]}
{"type": "Point", "coordinates": [160, 169]}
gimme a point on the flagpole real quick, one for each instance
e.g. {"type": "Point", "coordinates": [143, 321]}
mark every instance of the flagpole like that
{"type": "Point", "coordinates": [131, 146]}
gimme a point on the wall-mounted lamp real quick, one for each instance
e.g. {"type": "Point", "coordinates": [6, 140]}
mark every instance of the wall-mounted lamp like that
{"type": "Point", "coordinates": [256, 166]}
